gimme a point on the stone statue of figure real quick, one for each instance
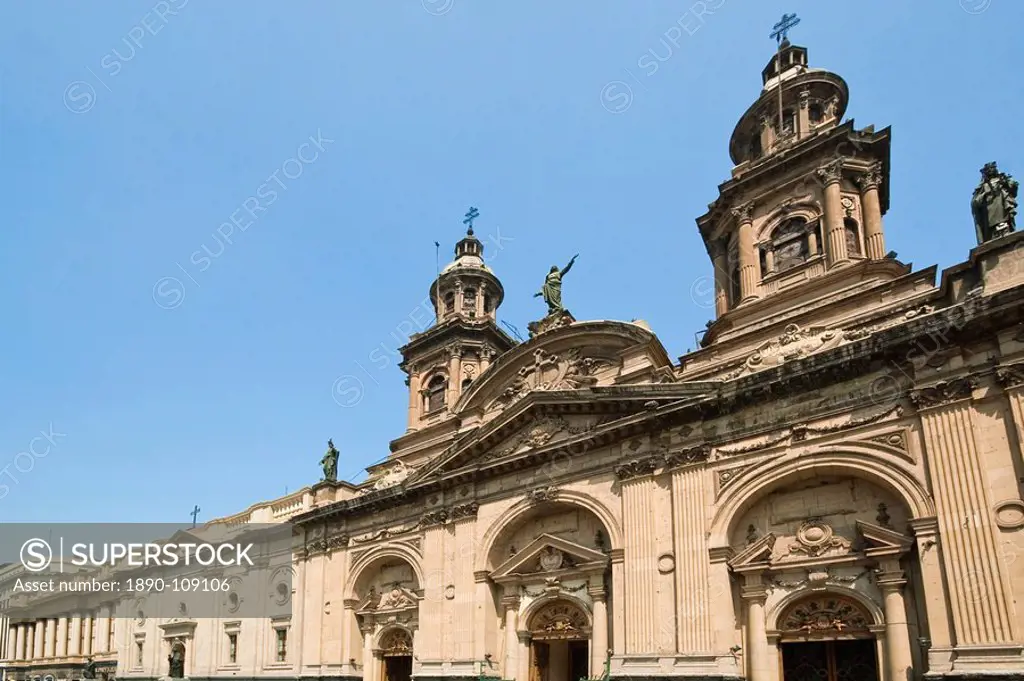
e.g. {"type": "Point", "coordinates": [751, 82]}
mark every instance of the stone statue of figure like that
{"type": "Point", "coordinates": [330, 462]}
{"type": "Point", "coordinates": [176, 661]}
{"type": "Point", "coordinates": [90, 669]}
{"type": "Point", "coordinates": [552, 290]}
{"type": "Point", "coordinates": [994, 204]}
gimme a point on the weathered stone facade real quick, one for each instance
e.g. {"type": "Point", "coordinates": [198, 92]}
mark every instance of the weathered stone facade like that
{"type": "Point", "coordinates": [831, 482]}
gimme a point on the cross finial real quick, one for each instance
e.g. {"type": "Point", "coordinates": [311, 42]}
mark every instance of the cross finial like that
{"type": "Point", "coordinates": [471, 214]}
{"type": "Point", "coordinates": [195, 514]}
{"type": "Point", "coordinates": [780, 30]}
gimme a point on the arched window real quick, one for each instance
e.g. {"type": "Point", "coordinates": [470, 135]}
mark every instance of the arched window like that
{"type": "Point", "coordinates": [788, 122]}
{"type": "Point", "coordinates": [814, 113]}
{"type": "Point", "coordinates": [852, 237]}
{"type": "Point", "coordinates": [449, 301]}
{"type": "Point", "coordinates": [435, 393]}
{"type": "Point", "coordinates": [487, 304]}
{"type": "Point", "coordinates": [794, 242]}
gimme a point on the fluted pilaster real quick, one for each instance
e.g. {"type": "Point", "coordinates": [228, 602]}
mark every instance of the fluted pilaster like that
{"type": "Point", "coordinates": [692, 567]}
{"type": "Point", "coordinates": [641, 567]}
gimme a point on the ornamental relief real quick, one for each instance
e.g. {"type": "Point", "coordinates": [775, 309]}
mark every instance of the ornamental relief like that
{"type": "Point", "coordinates": [560, 620]}
{"type": "Point", "coordinates": [569, 370]}
{"type": "Point", "coordinates": [793, 343]}
{"type": "Point", "coordinates": [825, 615]}
{"type": "Point", "coordinates": [538, 434]}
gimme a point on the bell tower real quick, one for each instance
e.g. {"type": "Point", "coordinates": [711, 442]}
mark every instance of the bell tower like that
{"type": "Point", "coordinates": [806, 197]}
{"type": "Point", "coordinates": [444, 360]}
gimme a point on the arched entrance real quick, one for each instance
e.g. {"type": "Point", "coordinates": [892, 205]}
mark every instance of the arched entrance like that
{"type": "Point", "coordinates": [560, 642]}
{"type": "Point", "coordinates": [396, 655]}
{"type": "Point", "coordinates": [827, 637]}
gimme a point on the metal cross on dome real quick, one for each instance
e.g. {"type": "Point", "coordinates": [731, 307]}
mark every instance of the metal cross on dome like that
{"type": "Point", "coordinates": [781, 29]}
{"type": "Point", "coordinates": [471, 214]}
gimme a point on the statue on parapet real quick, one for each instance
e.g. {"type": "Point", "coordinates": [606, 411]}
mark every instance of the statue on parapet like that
{"type": "Point", "coordinates": [330, 462]}
{"type": "Point", "coordinates": [994, 204]}
{"type": "Point", "coordinates": [552, 289]}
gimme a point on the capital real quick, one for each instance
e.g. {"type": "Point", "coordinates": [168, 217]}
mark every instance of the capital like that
{"type": "Point", "coordinates": [453, 351]}
{"type": "Point", "coordinates": [510, 602]}
{"type": "Point", "coordinates": [870, 178]}
{"type": "Point", "coordinates": [805, 98]}
{"type": "Point", "coordinates": [831, 172]}
{"type": "Point", "coordinates": [743, 212]}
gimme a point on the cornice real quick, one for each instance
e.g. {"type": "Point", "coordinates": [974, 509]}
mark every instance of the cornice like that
{"type": "Point", "coordinates": [944, 392]}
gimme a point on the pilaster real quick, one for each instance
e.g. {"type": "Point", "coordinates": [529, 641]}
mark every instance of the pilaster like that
{"type": "Point", "coordinates": [641, 570]}
{"type": "Point", "coordinates": [694, 631]}
{"type": "Point", "coordinates": [830, 176]}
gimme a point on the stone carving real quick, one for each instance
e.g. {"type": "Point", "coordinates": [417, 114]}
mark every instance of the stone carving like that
{"type": "Point", "coordinates": [396, 599]}
{"type": "Point", "coordinates": [994, 204]}
{"type": "Point", "coordinates": [831, 172]}
{"type": "Point", "coordinates": [536, 435]}
{"type": "Point", "coordinates": [465, 510]}
{"type": "Point", "coordinates": [688, 456]}
{"type": "Point", "coordinates": [637, 468]}
{"type": "Point", "coordinates": [550, 559]}
{"type": "Point", "coordinates": [762, 443]}
{"type": "Point", "coordinates": [559, 620]}
{"type": "Point", "coordinates": [1010, 514]}
{"type": "Point", "coordinates": [897, 439]}
{"type": "Point", "coordinates": [547, 371]}
{"type": "Point", "coordinates": [393, 475]}
{"type": "Point", "coordinates": [816, 538]}
{"type": "Point", "coordinates": [396, 642]}
{"type": "Point", "coordinates": [825, 615]}
{"type": "Point", "coordinates": [434, 518]}
{"type": "Point", "coordinates": [793, 343]}
{"type": "Point", "coordinates": [871, 178]}
{"type": "Point", "coordinates": [542, 494]}
{"type": "Point", "coordinates": [883, 517]}
{"type": "Point", "coordinates": [742, 213]}
{"type": "Point", "coordinates": [1011, 375]}
{"type": "Point", "coordinates": [943, 392]}
{"type": "Point", "coordinates": [666, 563]}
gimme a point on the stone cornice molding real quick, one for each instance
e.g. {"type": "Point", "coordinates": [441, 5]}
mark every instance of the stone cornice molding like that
{"type": "Point", "coordinates": [943, 392]}
{"type": "Point", "coordinates": [637, 468]}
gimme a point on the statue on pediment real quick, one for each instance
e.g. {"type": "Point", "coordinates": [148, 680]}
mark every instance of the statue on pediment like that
{"type": "Point", "coordinates": [330, 462]}
{"type": "Point", "coordinates": [552, 289]}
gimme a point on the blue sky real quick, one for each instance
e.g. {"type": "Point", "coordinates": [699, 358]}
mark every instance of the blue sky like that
{"type": "Point", "coordinates": [149, 376]}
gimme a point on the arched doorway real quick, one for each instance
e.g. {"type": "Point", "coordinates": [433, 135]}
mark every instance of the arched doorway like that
{"type": "Point", "coordinates": [827, 637]}
{"type": "Point", "coordinates": [396, 655]}
{"type": "Point", "coordinates": [560, 642]}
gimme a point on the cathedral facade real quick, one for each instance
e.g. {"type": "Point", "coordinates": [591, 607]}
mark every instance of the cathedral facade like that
{"type": "Point", "coordinates": [828, 488]}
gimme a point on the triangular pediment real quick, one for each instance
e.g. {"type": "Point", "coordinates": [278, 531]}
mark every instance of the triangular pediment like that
{"type": "Point", "coordinates": [883, 541]}
{"type": "Point", "coordinates": [548, 555]}
{"type": "Point", "coordinates": [756, 556]}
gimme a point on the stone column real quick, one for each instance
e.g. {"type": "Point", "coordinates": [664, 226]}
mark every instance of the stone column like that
{"type": "Point", "coordinates": [803, 121]}
{"type": "Point", "coordinates": [62, 637]}
{"type": "Point", "coordinates": [524, 657]}
{"type": "Point", "coordinates": [599, 636]}
{"type": "Point", "coordinates": [100, 636]}
{"type": "Point", "coordinates": [38, 636]}
{"type": "Point", "coordinates": [979, 595]}
{"type": "Point", "coordinates": [830, 175]}
{"type": "Point", "coordinates": [50, 650]}
{"type": "Point", "coordinates": [75, 644]}
{"type": "Point", "coordinates": [694, 595]}
{"type": "Point", "coordinates": [754, 595]}
{"type": "Point", "coordinates": [369, 663]}
{"type": "Point", "coordinates": [618, 560]}
{"type": "Point", "coordinates": [19, 644]}
{"type": "Point", "coordinates": [511, 605]}
{"type": "Point", "coordinates": [415, 398]}
{"type": "Point", "coordinates": [454, 374]}
{"type": "Point", "coordinates": [480, 293]}
{"type": "Point", "coordinates": [641, 569]}
{"type": "Point", "coordinates": [749, 262]}
{"type": "Point", "coordinates": [767, 133]}
{"type": "Point", "coordinates": [12, 642]}
{"type": "Point", "coordinates": [485, 359]}
{"type": "Point", "coordinates": [871, 209]}
{"type": "Point", "coordinates": [458, 297]}
{"type": "Point", "coordinates": [720, 261]}
{"type": "Point", "coordinates": [30, 642]}
{"type": "Point", "coordinates": [897, 635]}
{"type": "Point", "coordinates": [87, 637]}
{"type": "Point", "coordinates": [483, 614]}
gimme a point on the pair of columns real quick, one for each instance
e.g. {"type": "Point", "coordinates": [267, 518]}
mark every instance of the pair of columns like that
{"type": "Point", "coordinates": [834, 233]}
{"type": "Point", "coordinates": [890, 580]}
{"type": "Point", "coordinates": [48, 638]}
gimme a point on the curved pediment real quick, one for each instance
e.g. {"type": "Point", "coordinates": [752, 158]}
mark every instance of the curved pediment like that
{"type": "Point", "coordinates": [581, 355]}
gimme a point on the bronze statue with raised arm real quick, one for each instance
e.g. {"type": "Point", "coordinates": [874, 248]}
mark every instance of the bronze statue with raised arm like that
{"type": "Point", "coordinates": [552, 290]}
